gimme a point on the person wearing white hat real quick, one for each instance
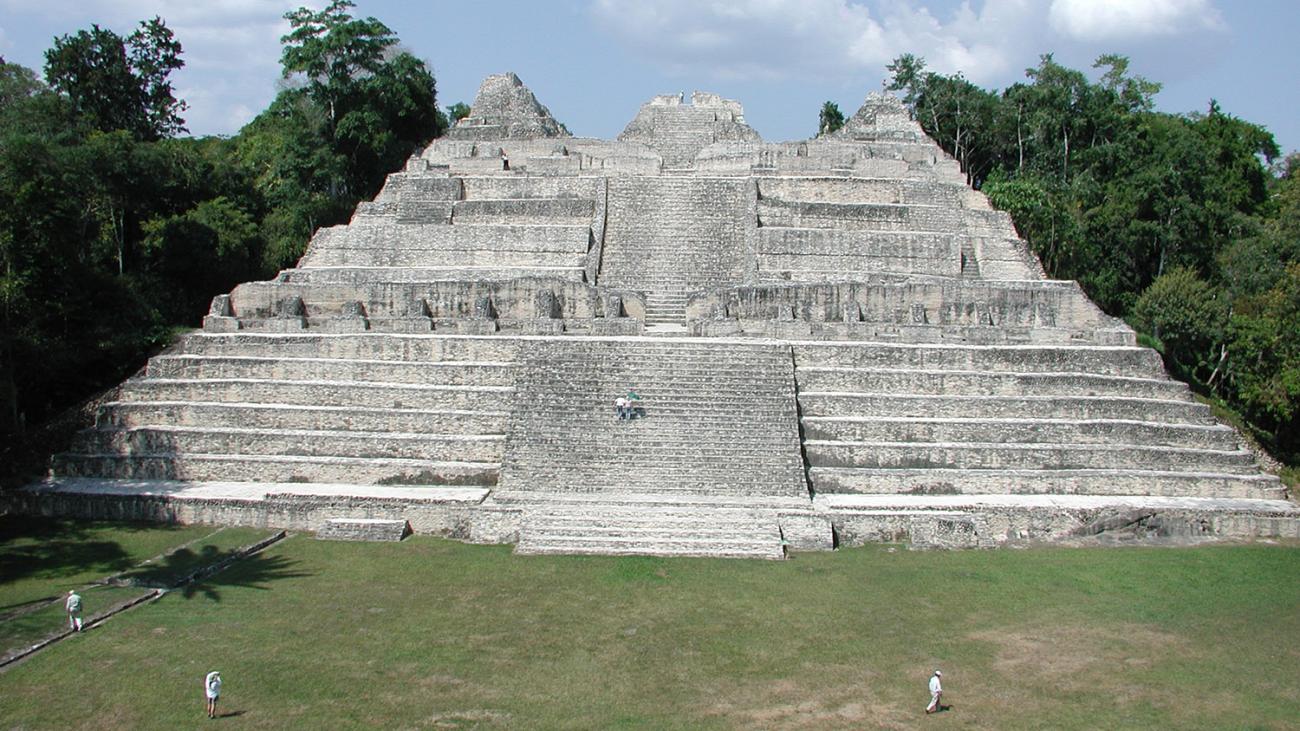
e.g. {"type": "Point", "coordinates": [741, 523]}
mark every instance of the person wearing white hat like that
{"type": "Point", "coordinates": [212, 689]}
{"type": "Point", "coordinates": [936, 692]}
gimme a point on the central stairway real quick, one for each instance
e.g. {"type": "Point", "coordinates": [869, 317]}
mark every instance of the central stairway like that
{"type": "Point", "coordinates": [709, 464]}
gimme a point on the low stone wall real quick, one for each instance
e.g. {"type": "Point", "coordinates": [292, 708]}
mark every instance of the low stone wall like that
{"type": "Point", "coordinates": [284, 511]}
{"type": "Point", "coordinates": [526, 298]}
{"type": "Point", "coordinates": [1008, 311]}
{"type": "Point", "coordinates": [991, 527]}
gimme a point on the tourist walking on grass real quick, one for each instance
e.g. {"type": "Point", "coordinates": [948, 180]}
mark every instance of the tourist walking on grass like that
{"type": "Point", "coordinates": [212, 689]}
{"type": "Point", "coordinates": [73, 605]}
{"type": "Point", "coordinates": [936, 692]}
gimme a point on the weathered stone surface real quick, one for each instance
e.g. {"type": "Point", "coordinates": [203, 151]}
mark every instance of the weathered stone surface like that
{"type": "Point", "coordinates": [364, 529]}
{"type": "Point", "coordinates": [878, 354]}
{"type": "Point", "coordinates": [505, 109]}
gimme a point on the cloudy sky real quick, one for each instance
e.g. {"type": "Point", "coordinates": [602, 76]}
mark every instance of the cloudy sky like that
{"type": "Point", "coordinates": [594, 61]}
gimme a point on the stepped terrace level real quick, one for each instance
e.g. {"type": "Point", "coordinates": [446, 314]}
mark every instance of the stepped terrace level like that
{"type": "Point", "coordinates": [834, 340]}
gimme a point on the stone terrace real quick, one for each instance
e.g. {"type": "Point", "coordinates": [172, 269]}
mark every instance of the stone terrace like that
{"type": "Point", "coordinates": [835, 340]}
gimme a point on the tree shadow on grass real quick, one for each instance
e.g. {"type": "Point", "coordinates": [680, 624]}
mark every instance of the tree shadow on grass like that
{"type": "Point", "coordinates": [252, 572]}
{"type": "Point", "coordinates": [61, 548]}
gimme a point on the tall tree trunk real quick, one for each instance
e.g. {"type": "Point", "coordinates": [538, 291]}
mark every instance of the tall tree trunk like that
{"type": "Point", "coordinates": [1065, 161]}
{"type": "Point", "coordinates": [1020, 140]}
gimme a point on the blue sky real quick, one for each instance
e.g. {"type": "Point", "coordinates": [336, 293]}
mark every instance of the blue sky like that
{"type": "Point", "coordinates": [593, 62]}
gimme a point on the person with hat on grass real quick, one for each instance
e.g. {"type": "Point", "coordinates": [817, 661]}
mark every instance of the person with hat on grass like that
{"type": "Point", "coordinates": [212, 690]}
{"type": "Point", "coordinates": [936, 692]}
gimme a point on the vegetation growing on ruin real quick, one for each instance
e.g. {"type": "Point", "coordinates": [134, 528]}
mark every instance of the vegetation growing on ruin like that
{"type": "Point", "coordinates": [434, 634]}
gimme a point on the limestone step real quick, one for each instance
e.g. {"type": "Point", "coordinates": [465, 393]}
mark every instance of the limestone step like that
{"type": "Point", "coordinates": [1062, 482]}
{"type": "Point", "coordinates": [276, 468]}
{"type": "Point", "coordinates": [618, 529]}
{"type": "Point", "coordinates": [579, 545]}
{"type": "Point", "coordinates": [216, 414]}
{"type": "Point", "coordinates": [563, 211]}
{"type": "Point", "coordinates": [365, 346]}
{"type": "Point", "coordinates": [604, 496]}
{"type": "Point", "coordinates": [422, 183]}
{"type": "Point", "coordinates": [674, 474]}
{"type": "Point", "coordinates": [912, 217]}
{"type": "Point", "coordinates": [448, 258]}
{"type": "Point", "coordinates": [320, 393]}
{"type": "Point", "coordinates": [987, 520]}
{"type": "Point", "coordinates": [445, 373]}
{"type": "Point", "coordinates": [156, 439]}
{"type": "Point", "coordinates": [363, 275]}
{"type": "Point", "coordinates": [497, 187]}
{"type": "Point", "coordinates": [1044, 456]}
{"type": "Point", "coordinates": [986, 383]}
{"type": "Point", "coordinates": [1097, 360]}
{"type": "Point", "coordinates": [657, 437]}
{"type": "Point", "coordinates": [363, 529]}
{"type": "Point", "coordinates": [1024, 407]}
{"type": "Point", "coordinates": [377, 235]}
{"type": "Point", "coordinates": [866, 189]}
{"type": "Point", "coordinates": [1018, 430]}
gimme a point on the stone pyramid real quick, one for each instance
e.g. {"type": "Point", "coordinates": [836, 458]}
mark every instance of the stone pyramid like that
{"type": "Point", "coordinates": [505, 109]}
{"type": "Point", "coordinates": [831, 341]}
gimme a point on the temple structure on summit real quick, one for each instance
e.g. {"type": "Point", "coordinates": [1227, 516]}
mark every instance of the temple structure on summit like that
{"type": "Point", "coordinates": [834, 340]}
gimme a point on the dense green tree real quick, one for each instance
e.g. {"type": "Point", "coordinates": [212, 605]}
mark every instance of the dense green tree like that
{"type": "Point", "coordinates": [830, 119]}
{"type": "Point", "coordinates": [120, 84]}
{"type": "Point", "coordinates": [1173, 221]}
{"type": "Point", "coordinates": [956, 113]}
{"type": "Point", "coordinates": [333, 51]}
{"type": "Point", "coordinates": [457, 112]}
{"type": "Point", "coordinates": [155, 54]}
{"type": "Point", "coordinates": [114, 231]}
{"type": "Point", "coordinates": [1187, 316]}
{"type": "Point", "coordinates": [1263, 360]}
{"type": "Point", "coordinates": [362, 109]}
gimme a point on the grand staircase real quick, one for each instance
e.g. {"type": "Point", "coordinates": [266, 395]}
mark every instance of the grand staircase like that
{"type": "Point", "coordinates": [707, 466]}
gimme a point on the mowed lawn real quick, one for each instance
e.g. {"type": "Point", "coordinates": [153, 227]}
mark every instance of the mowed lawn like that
{"type": "Point", "coordinates": [41, 558]}
{"type": "Point", "coordinates": [430, 633]}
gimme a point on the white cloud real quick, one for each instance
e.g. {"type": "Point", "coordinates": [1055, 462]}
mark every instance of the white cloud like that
{"type": "Point", "coordinates": [1108, 20]}
{"type": "Point", "coordinates": [990, 41]}
{"type": "Point", "coordinates": [791, 38]}
{"type": "Point", "coordinates": [231, 48]}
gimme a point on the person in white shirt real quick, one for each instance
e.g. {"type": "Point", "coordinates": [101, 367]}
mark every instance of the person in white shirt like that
{"type": "Point", "coordinates": [212, 689]}
{"type": "Point", "coordinates": [936, 692]}
{"type": "Point", "coordinates": [620, 406]}
{"type": "Point", "coordinates": [73, 606]}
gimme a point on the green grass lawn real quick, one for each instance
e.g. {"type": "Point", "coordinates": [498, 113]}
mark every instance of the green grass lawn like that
{"type": "Point", "coordinates": [23, 630]}
{"type": "Point", "coordinates": [41, 559]}
{"type": "Point", "coordinates": [180, 563]}
{"type": "Point", "coordinates": [435, 634]}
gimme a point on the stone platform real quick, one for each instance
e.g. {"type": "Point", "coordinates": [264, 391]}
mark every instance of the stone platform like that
{"type": "Point", "coordinates": [835, 340]}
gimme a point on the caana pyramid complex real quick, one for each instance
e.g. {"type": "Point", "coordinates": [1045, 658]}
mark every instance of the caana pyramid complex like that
{"type": "Point", "coordinates": [832, 341]}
